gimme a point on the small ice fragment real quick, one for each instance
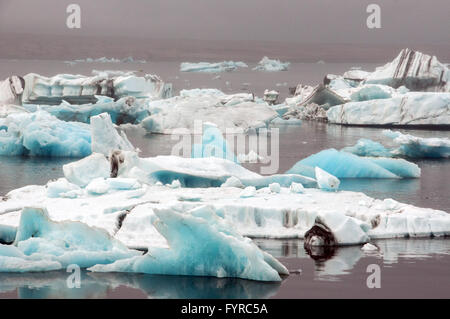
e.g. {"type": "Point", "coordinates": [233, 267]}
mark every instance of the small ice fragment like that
{"type": "Point", "coordinates": [297, 188]}
{"type": "Point", "coordinates": [325, 180]}
{"type": "Point", "coordinates": [249, 191]}
{"type": "Point", "coordinates": [275, 188]}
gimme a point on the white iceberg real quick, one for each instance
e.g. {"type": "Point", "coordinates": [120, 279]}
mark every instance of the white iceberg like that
{"type": "Point", "coordinates": [207, 67]}
{"type": "Point", "coordinates": [11, 90]}
{"type": "Point", "coordinates": [207, 105]}
{"type": "Point", "coordinates": [325, 180]}
{"type": "Point", "coordinates": [271, 65]}
{"type": "Point", "coordinates": [79, 89]}
{"type": "Point", "coordinates": [413, 108]}
{"type": "Point", "coordinates": [415, 70]}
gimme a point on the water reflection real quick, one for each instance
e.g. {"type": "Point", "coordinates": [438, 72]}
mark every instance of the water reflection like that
{"type": "Point", "coordinates": [104, 285]}
{"type": "Point", "coordinates": [332, 262]}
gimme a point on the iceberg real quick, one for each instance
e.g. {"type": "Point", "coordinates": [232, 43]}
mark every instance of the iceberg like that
{"type": "Point", "coordinates": [412, 108]}
{"type": "Point", "coordinates": [270, 65]}
{"type": "Point", "coordinates": [419, 147]}
{"type": "Point", "coordinates": [200, 244]}
{"type": "Point", "coordinates": [129, 59]}
{"type": "Point", "coordinates": [207, 105]}
{"type": "Point", "coordinates": [79, 89]}
{"type": "Point", "coordinates": [123, 111]}
{"type": "Point", "coordinates": [271, 96]}
{"type": "Point", "coordinates": [11, 90]}
{"type": "Point", "coordinates": [43, 245]}
{"type": "Point", "coordinates": [415, 70]}
{"type": "Point", "coordinates": [105, 138]}
{"type": "Point", "coordinates": [206, 67]}
{"type": "Point", "coordinates": [41, 134]}
{"type": "Point", "coordinates": [367, 147]}
{"type": "Point", "coordinates": [346, 165]}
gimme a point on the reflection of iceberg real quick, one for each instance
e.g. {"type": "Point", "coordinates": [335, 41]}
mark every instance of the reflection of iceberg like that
{"type": "Point", "coordinates": [207, 67]}
{"type": "Point", "coordinates": [100, 285]}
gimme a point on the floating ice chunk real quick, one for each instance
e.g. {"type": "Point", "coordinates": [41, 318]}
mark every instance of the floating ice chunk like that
{"type": "Point", "coordinates": [207, 105]}
{"type": "Point", "coordinates": [213, 144]}
{"type": "Point", "coordinates": [397, 166]}
{"type": "Point", "coordinates": [334, 228]}
{"type": "Point", "coordinates": [40, 134]}
{"type": "Point", "coordinates": [413, 108]}
{"type": "Point", "coordinates": [207, 67]}
{"type": "Point", "coordinates": [275, 188]}
{"type": "Point", "coordinates": [415, 70]}
{"type": "Point", "coordinates": [366, 147]}
{"type": "Point", "coordinates": [249, 191]}
{"type": "Point", "coordinates": [419, 147]}
{"type": "Point", "coordinates": [85, 170]}
{"type": "Point", "coordinates": [341, 165]}
{"type": "Point", "coordinates": [310, 111]}
{"type": "Point", "coordinates": [78, 89]}
{"type": "Point", "coordinates": [175, 184]}
{"type": "Point", "coordinates": [105, 137]}
{"type": "Point", "coordinates": [251, 157]}
{"type": "Point", "coordinates": [369, 247]}
{"type": "Point", "coordinates": [201, 244]}
{"type": "Point", "coordinates": [297, 188]}
{"type": "Point", "coordinates": [325, 180]}
{"type": "Point", "coordinates": [233, 181]}
{"type": "Point", "coordinates": [43, 245]}
{"type": "Point", "coordinates": [267, 64]}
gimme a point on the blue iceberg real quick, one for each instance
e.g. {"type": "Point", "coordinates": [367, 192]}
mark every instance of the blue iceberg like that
{"type": "Point", "coordinates": [347, 165]}
{"type": "Point", "coordinates": [41, 134]}
{"type": "Point", "coordinates": [201, 244]}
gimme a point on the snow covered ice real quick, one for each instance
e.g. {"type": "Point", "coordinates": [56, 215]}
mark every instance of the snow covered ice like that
{"type": "Point", "coordinates": [207, 67]}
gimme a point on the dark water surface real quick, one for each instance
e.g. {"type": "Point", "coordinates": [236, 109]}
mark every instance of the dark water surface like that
{"type": "Point", "coordinates": [409, 267]}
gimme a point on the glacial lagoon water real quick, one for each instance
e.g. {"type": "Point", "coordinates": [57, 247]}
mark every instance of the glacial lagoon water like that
{"type": "Point", "coordinates": [409, 267]}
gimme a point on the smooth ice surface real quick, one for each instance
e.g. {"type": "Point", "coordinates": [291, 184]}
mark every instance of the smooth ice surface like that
{"type": "Point", "coordinates": [105, 138]}
{"type": "Point", "coordinates": [235, 111]}
{"type": "Point", "coordinates": [207, 67]}
{"type": "Point", "coordinates": [200, 244]}
{"type": "Point", "coordinates": [325, 180]}
{"type": "Point", "coordinates": [41, 134]}
{"type": "Point", "coordinates": [346, 165]}
{"type": "Point", "coordinates": [271, 65]}
{"type": "Point", "coordinates": [412, 108]}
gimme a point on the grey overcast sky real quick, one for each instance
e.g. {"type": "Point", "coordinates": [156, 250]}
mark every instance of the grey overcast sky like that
{"type": "Point", "coordinates": [299, 21]}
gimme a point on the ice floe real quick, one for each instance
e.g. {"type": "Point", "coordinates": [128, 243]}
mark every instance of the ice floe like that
{"type": "Point", "coordinates": [207, 67]}
{"type": "Point", "coordinates": [271, 65]}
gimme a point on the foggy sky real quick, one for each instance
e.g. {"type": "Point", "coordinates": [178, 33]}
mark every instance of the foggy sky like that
{"type": "Point", "coordinates": [299, 21]}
